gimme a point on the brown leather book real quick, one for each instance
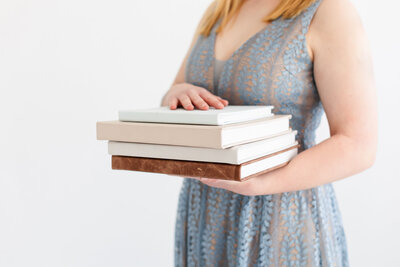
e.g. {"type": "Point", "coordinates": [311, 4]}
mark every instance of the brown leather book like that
{"type": "Point", "coordinates": [224, 171]}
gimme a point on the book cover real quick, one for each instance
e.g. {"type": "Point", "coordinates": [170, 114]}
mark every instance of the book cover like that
{"type": "Point", "coordinates": [227, 115]}
{"type": "Point", "coordinates": [211, 136]}
{"type": "Point", "coordinates": [206, 169]}
{"type": "Point", "coordinates": [233, 155]}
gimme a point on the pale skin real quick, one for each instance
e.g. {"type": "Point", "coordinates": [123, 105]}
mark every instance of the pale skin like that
{"type": "Point", "coordinates": [343, 74]}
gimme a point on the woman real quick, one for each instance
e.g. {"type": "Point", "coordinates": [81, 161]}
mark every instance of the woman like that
{"type": "Point", "coordinates": [304, 57]}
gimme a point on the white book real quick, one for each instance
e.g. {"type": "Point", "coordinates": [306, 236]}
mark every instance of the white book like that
{"type": "Point", "coordinates": [260, 166]}
{"type": "Point", "coordinates": [212, 116]}
{"type": "Point", "coordinates": [233, 155]}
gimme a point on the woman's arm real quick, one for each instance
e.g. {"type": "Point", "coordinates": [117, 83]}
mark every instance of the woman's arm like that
{"type": "Point", "coordinates": [179, 78]}
{"type": "Point", "coordinates": [188, 95]}
{"type": "Point", "coordinates": [344, 78]}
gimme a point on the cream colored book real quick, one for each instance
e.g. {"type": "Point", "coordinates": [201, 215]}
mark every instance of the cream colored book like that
{"type": "Point", "coordinates": [211, 136]}
{"type": "Point", "coordinates": [233, 155]}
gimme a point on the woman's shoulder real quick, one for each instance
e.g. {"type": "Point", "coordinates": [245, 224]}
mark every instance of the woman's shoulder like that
{"type": "Point", "coordinates": [335, 17]}
{"type": "Point", "coordinates": [335, 22]}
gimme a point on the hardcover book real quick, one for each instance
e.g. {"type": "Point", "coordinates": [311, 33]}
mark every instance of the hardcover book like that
{"type": "Point", "coordinates": [224, 171]}
{"type": "Point", "coordinates": [212, 116]}
{"type": "Point", "coordinates": [211, 136]}
{"type": "Point", "coordinates": [233, 155]}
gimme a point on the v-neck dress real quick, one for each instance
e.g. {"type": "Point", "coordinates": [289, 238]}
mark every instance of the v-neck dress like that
{"type": "Point", "coordinates": [218, 66]}
{"type": "Point", "coordinates": [216, 227]}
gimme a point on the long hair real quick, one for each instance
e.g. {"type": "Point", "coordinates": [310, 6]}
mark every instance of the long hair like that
{"type": "Point", "coordinates": [226, 9]}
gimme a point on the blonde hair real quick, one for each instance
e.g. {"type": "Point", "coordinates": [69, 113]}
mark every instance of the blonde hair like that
{"type": "Point", "coordinates": [226, 9]}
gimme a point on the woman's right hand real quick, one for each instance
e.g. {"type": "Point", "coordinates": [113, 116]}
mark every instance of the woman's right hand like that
{"type": "Point", "coordinates": [189, 96]}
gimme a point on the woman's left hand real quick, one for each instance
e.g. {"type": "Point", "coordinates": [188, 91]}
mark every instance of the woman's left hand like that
{"type": "Point", "coordinates": [258, 185]}
{"type": "Point", "coordinates": [247, 187]}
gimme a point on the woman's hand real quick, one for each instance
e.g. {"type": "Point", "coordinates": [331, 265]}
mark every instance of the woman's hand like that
{"type": "Point", "coordinates": [189, 96]}
{"type": "Point", "coordinates": [247, 188]}
{"type": "Point", "coordinates": [262, 184]}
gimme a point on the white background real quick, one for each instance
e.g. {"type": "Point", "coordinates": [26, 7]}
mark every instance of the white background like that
{"type": "Point", "coordinates": [66, 64]}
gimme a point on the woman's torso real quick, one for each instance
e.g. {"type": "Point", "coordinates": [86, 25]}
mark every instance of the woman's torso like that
{"type": "Point", "coordinates": [216, 227]}
{"type": "Point", "coordinates": [273, 67]}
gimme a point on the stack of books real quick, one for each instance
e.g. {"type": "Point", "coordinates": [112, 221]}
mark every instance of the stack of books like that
{"type": "Point", "coordinates": [233, 143]}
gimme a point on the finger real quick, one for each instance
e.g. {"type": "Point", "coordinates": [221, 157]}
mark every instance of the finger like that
{"type": "Point", "coordinates": [198, 101]}
{"type": "Point", "coordinates": [234, 186]}
{"type": "Point", "coordinates": [173, 103]}
{"type": "Point", "coordinates": [212, 100]}
{"type": "Point", "coordinates": [185, 102]}
{"type": "Point", "coordinates": [223, 101]}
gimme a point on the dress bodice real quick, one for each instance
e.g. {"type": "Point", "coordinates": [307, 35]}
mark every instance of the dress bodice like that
{"type": "Point", "coordinates": [216, 227]}
{"type": "Point", "coordinates": [272, 67]}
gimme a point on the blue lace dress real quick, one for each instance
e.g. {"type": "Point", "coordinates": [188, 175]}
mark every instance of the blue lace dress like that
{"type": "Point", "coordinates": [215, 227]}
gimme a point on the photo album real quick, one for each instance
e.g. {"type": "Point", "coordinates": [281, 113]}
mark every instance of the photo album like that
{"type": "Point", "coordinates": [233, 143]}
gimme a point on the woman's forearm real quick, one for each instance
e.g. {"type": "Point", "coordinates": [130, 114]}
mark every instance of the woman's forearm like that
{"type": "Point", "coordinates": [331, 160]}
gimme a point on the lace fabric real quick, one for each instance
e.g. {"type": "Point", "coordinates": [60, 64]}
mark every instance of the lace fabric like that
{"type": "Point", "coordinates": [215, 227]}
{"type": "Point", "coordinates": [218, 66]}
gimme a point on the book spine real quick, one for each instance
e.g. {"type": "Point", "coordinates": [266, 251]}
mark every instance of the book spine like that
{"type": "Point", "coordinates": [172, 152]}
{"type": "Point", "coordinates": [167, 118]}
{"type": "Point", "coordinates": [177, 167]}
{"type": "Point", "coordinates": [237, 173]}
{"type": "Point", "coordinates": [150, 133]}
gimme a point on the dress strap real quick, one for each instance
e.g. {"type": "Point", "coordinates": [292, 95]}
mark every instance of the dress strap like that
{"type": "Point", "coordinates": [308, 14]}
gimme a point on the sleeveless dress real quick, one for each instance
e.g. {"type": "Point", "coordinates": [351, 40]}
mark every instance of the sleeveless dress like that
{"type": "Point", "coordinates": [216, 227]}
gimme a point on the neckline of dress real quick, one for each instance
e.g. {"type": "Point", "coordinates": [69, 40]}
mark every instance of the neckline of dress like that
{"type": "Point", "coordinates": [227, 61]}
{"type": "Point", "coordinates": [245, 43]}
